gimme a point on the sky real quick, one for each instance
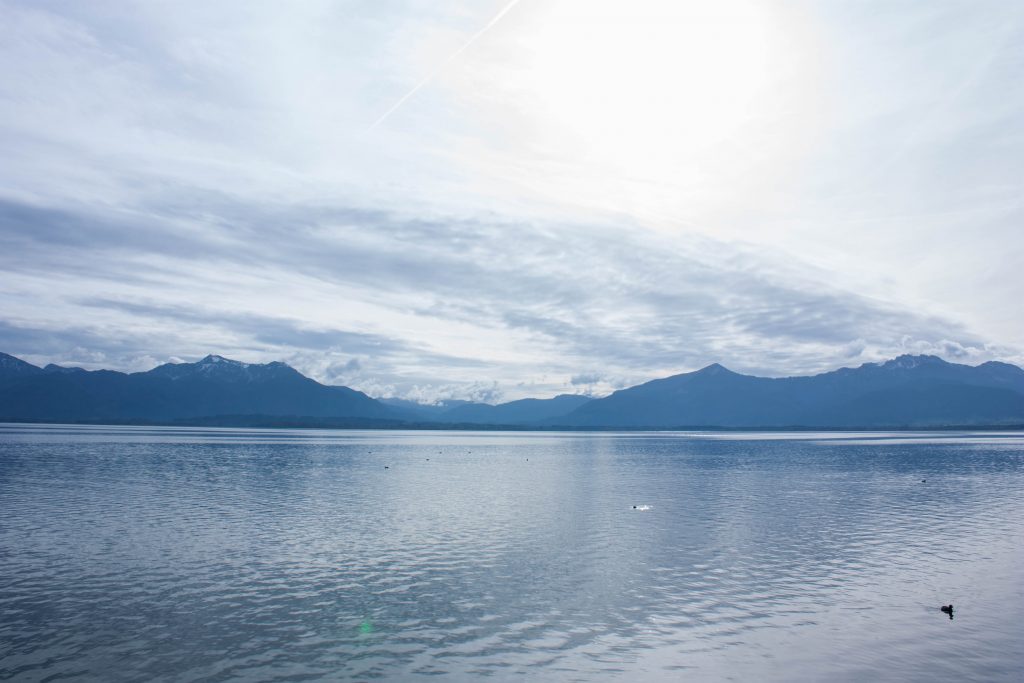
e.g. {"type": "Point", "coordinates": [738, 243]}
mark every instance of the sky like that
{"type": "Point", "coordinates": [490, 199]}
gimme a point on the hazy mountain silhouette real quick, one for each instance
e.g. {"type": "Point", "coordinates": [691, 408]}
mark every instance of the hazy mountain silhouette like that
{"type": "Point", "coordinates": [212, 386]}
{"type": "Point", "coordinates": [413, 410]}
{"type": "Point", "coordinates": [527, 411]}
{"type": "Point", "coordinates": [522, 412]}
{"type": "Point", "coordinates": [907, 391]}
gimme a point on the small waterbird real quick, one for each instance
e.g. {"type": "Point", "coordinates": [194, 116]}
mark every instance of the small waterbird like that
{"type": "Point", "coordinates": [948, 609]}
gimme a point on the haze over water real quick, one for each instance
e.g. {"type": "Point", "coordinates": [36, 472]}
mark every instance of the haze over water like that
{"type": "Point", "coordinates": [187, 554]}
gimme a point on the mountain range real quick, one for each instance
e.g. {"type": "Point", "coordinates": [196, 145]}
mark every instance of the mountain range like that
{"type": "Point", "coordinates": [908, 391]}
{"type": "Point", "coordinates": [174, 391]}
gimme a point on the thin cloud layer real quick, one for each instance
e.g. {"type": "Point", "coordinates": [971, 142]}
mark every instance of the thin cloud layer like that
{"type": "Point", "coordinates": [192, 179]}
{"type": "Point", "coordinates": [397, 305]}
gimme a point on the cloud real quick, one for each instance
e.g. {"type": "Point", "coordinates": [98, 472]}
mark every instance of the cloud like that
{"type": "Point", "coordinates": [262, 330]}
{"type": "Point", "coordinates": [366, 296]}
{"type": "Point", "coordinates": [196, 180]}
{"type": "Point", "coordinates": [433, 394]}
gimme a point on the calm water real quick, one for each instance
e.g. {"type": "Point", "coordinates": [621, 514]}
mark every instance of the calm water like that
{"type": "Point", "coordinates": [184, 554]}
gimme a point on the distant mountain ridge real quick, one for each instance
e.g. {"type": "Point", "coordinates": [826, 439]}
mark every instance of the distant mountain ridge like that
{"type": "Point", "coordinates": [211, 386]}
{"type": "Point", "coordinates": [906, 392]}
{"type": "Point", "coordinates": [522, 412]}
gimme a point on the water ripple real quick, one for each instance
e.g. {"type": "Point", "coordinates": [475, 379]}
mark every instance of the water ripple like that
{"type": "Point", "coordinates": [208, 555]}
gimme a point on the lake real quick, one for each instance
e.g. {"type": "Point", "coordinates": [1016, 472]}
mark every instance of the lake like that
{"type": "Point", "coordinates": [131, 553]}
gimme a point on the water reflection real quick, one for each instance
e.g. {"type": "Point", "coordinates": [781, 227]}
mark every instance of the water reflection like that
{"type": "Point", "coordinates": [136, 553]}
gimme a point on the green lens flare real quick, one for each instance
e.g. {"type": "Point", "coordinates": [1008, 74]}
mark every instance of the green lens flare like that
{"type": "Point", "coordinates": [365, 627]}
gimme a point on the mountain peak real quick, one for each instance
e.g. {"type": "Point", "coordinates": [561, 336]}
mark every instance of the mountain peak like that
{"type": "Point", "coordinates": [11, 365]}
{"type": "Point", "coordinates": [715, 369]}
{"type": "Point", "coordinates": [53, 367]}
{"type": "Point", "coordinates": [999, 365]}
{"type": "Point", "coordinates": [214, 366]}
{"type": "Point", "coordinates": [909, 362]}
{"type": "Point", "coordinates": [212, 359]}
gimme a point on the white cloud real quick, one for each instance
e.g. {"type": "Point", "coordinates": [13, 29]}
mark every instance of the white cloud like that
{"type": "Point", "coordinates": [189, 178]}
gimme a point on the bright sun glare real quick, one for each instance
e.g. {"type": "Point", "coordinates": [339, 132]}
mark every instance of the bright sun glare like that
{"type": "Point", "coordinates": [650, 72]}
{"type": "Point", "coordinates": [647, 90]}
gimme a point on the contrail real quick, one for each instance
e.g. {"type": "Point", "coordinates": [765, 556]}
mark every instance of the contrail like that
{"type": "Point", "coordinates": [443, 64]}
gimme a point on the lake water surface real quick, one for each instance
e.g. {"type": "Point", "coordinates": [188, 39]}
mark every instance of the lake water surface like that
{"type": "Point", "coordinates": [215, 554]}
